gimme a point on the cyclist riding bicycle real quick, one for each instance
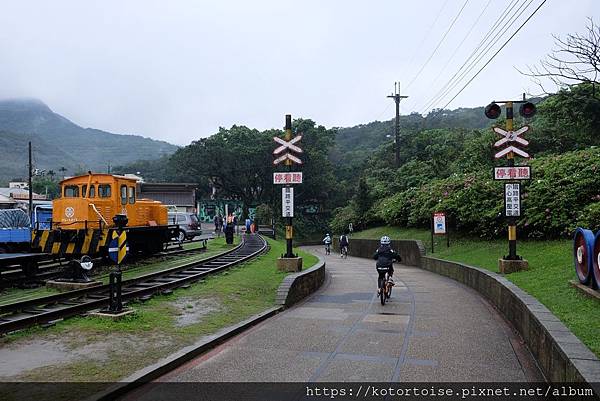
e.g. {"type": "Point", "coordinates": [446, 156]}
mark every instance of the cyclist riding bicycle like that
{"type": "Point", "coordinates": [344, 244]}
{"type": "Point", "coordinates": [385, 257]}
{"type": "Point", "coordinates": [327, 241]}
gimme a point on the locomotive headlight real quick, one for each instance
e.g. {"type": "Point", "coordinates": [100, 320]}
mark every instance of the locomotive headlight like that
{"type": "Point", "coordinates": [86, 263]}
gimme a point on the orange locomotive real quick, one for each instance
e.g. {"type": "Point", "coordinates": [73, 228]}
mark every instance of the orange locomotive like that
{"type": "Point", "coordinates": [82, 218]}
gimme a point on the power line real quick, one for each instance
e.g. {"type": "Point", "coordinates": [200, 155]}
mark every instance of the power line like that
{"type": "Point", "coordinates": [486, 49]}
{"type": "Point", "coordinates": [439, 44]}
{"type": "Point", "coordinates": [420, 46]}
{"type": "Point", "coordinates": [498, 51]}
{"type": "Point", "coordinates": [444, 90]}
{"type": "Point", "coordinates": [459, 45]}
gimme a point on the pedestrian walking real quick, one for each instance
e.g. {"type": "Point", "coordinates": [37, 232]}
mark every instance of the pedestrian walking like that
{"type": "Point", "coordinates": [216, 222]}
{"type": "Point", "coordinates": [220, 224]}
{"type": "Point", "coordinates": [229, 230]}
{"type": "Point", "coordinates": [248, 223]}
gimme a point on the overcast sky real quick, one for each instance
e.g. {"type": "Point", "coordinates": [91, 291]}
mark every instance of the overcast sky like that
{"type": "Point", "coordinates": [179, 70]}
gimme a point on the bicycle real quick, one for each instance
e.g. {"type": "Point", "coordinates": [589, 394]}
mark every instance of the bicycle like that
{"type": "Point", "coordinates": [385, 289]}
{"type": "Point", "coordinates": [344, 252]}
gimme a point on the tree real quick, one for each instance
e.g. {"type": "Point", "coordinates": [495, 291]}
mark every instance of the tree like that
{"type": "Point", "coordinates": [575, 60]}
{"type": "Point", "coordinates": [236, 161]}
{"type": "Point", "coordinates": [51, 174]}
{"type": "Point", "coordinates": [62, 170]}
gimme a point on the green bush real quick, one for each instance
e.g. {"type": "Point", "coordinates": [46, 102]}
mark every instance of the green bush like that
{"type": "Point", "coordinates": [564, 193]}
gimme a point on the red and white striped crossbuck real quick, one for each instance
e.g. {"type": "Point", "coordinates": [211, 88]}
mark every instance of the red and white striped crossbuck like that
{"type": "Point", "coordinates": [287, 145]}
{"type": "Point", "coordinates": [287, 156]}
{"type": "Point", "coordinates": [511, 136]}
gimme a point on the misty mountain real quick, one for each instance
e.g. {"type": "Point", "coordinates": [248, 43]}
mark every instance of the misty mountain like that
{"type": "Point", "coordinates": [58, 142]}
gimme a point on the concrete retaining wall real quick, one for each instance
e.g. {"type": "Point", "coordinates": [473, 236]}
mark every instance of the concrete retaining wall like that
{"type": "Point", "coordinates": [410, 251]}
{"type": "Point", "coordinates": [297, 286]}
{"type": "Point", "coordinates": [561, 356]}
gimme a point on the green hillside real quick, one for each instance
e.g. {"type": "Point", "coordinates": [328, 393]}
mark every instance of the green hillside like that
{"type": "Point", "coordinates": [58, 142]}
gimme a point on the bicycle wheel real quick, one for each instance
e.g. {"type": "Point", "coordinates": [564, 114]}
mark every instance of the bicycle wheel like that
{"type": "Point", "coordinates": [382, 295]}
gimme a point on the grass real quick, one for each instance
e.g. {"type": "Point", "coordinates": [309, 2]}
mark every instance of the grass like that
{"type": "Point", "coordinates": [237, 294]}
{"type": "Point", "coordinates": [550, 270]}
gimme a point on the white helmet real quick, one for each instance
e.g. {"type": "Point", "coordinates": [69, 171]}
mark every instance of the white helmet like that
{"type": "Point", "coordinates": [385, 240]}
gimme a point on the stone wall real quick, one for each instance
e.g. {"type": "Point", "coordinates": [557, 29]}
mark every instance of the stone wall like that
{"type": "Point", "coordinates": [562, 357]}
{"type": "Point", "coordinates": [297, 286]}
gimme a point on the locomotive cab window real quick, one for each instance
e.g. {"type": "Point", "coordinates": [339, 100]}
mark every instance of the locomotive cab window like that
{"type": "Point", "coordinates": [131, 195]}
{"type": "Point", "coordinates": [92, 191]}
{"type": "Point", "coordinates": [71, 191]}
{"type": "Point", "coordinates": [104, 191]}
{"type": "Point", "coordinates": [123, 194]}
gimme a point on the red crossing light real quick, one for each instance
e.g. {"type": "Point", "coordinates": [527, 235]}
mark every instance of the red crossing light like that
{"type": "Point", "coordinates": [492, 111]}
{"type": "Point", "coordinates": [527, 110]}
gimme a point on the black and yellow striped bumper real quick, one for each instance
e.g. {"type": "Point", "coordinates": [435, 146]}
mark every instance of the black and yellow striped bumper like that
{"type": "Point", "coordinates": [70, 242]}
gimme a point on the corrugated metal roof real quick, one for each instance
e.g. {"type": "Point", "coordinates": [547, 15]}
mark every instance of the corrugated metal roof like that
{"type": "Point", "coordinates": [171, 198]}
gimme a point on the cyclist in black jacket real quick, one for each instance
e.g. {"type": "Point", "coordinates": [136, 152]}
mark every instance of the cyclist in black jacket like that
{"type": "Point", "coordinates": [385, 257]}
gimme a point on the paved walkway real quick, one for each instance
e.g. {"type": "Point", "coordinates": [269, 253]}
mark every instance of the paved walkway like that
{"type": "Point", "coordinates": [433, 329]}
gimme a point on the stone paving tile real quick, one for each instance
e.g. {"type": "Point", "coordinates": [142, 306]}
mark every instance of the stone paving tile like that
{"type": "Point", "coordinates": [433, 329]}
{"type": "Point", "coordinates": [342, 369]}
{"type": "Point", "coordinates": [370, 343]}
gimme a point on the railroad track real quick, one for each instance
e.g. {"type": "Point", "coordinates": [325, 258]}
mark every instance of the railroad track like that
{"type": "Point", "coordinates": [21, 315]}
{"type": "Point", "coordinates": [51, 268]}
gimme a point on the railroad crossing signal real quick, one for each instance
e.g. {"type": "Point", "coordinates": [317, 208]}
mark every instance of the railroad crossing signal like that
{"type": "Point", "coordinates": [118, 249]}
{"type": "Point", "coordinates": [492, 111]}
{"type": "Point", "coordinates": [527, 110]}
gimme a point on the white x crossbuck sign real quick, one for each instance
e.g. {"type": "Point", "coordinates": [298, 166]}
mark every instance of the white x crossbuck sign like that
{"type": "Point", "coordinates": [516, 151]}
{"type": "Point", "coordinates": [287, 145]}
{"type": "Point", "coordinates": [287, 156]}
{"type": "Point", "coordinates": [511, 136]}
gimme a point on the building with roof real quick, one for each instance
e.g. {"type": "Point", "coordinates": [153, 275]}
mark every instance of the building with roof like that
{"type": "Point", "coordinates": [176, 195]}
{"type": "Point", "coordinates": [16, 196]}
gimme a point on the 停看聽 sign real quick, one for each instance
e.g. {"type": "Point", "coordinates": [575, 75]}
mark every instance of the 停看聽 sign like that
{"type": "Point", "coordinates": [287, 178]}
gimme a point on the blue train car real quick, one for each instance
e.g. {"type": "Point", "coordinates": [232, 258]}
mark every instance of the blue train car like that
{"type": "Point", "coordinates": [15, 231]}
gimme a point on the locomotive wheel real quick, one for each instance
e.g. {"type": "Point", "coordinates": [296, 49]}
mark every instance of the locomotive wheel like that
{"type": "Point", "coordinates": [583, 244]}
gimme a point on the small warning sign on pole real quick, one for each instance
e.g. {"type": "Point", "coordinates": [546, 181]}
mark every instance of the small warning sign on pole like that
{"type": "Point", "coordinates": [287, 202]}
{"type": "Point", "coordinates": [439, 223]}
{"type": "Point", "coordinates": [512, 200]}
{"type": "Point", "coordinates": [117, 248]}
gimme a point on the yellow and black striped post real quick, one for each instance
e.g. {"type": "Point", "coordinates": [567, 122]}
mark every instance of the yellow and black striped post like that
{"type": "Point", "coordinates": [122, 245]}
{"type": "Point", "coordinates": [512, 223]}
{"type": "Point", "coordinates": [289, 231]}
{"type": "Point", "coordinates": [115, 276]}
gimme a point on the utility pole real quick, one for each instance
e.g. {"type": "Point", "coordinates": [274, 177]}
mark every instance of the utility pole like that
{"type": "Point", "coordinates": [396, 96]}
{"type": "Point", "coordinates": [30, 185]}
